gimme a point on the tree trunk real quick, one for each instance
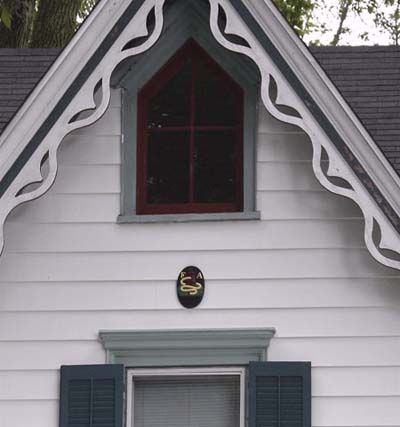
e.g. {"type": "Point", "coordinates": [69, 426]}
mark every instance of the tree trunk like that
{"type": "Point", "coordinates": [55, 23]}
{"type": "Point", "coordinates": [22, 16]}
{"type": "Point", "coordinates": [343, 12]}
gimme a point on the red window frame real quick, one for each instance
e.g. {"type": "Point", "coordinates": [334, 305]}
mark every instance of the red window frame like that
{"type": "Point", "coordinates": [193, 51]}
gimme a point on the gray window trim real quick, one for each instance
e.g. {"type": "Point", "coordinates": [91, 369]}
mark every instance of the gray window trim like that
{"type": "Point", "coordinates": [223, 216]}
{"type": "Point", "coordinates": [139, 71]}
{"type": "Point", "coordinates": [186, 348]}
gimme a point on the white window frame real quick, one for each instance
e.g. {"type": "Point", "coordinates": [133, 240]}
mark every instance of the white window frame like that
{"type": "Point", "coordinates": [217, 371]}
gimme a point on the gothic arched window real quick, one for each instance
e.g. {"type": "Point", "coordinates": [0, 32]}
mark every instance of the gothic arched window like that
{"type": "Point", "coordinates": [190, 138]}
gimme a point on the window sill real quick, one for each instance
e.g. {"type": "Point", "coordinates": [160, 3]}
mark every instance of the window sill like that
{"type": "Point", "coordinates": [223, 216]}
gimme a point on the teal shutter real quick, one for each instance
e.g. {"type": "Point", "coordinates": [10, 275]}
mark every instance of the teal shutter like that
{"type": "Point", "coordinates": [280, 394]}
{"type": "Point", "coordinates": [91, 396]}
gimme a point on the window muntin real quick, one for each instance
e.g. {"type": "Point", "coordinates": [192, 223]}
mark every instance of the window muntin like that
{"type": "Point", "coordinates": [190, 138]}
{"type": "Point", "coordinates": [172, 396]}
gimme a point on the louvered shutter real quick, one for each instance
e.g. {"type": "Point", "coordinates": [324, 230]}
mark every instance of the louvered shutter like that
{"type": "Point", "coordinates": [280, 394]}
{"type": "Point", "coordinates": [91, 396]}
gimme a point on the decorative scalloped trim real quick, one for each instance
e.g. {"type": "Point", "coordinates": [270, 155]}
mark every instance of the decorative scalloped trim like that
{"type": "Point", "coordinates": [83, 101]}
{"type": "Point", "coordinates": [338, 168]}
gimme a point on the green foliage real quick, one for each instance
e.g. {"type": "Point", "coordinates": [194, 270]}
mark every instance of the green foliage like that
{"type": "Point", "coordinates": [387, 19]}
{"type": "Point", "coordinates": [5, 15]}
{"type": "Point", "coordinates": [355, 7]}
{"type": "Point", "coordinates": [299, 14]}
{"type": "Point", "coordinates": [86, 8]}
{"type": "Point", "coordinates": [20, 20]}
{"type": "Point", "coordinates": [41, 23]}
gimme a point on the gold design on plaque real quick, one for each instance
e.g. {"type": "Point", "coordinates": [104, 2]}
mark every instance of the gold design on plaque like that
{"type": "Point", "coordinates": [190, 288]}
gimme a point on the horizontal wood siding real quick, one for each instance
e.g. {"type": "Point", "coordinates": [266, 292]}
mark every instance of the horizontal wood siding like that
{"type": "Point", "coordinates": [69, 270]}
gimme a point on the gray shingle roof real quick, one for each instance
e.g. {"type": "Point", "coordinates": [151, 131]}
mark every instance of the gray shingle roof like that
{"type": "Point", "coordinates": [20, 71]}
{"type": "Point", "coordinates": [367, 77]}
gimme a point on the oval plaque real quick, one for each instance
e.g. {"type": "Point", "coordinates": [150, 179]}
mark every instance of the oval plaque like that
{"type": "Point", "coordinates": [190, 287]}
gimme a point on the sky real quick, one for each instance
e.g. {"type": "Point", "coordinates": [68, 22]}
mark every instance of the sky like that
{"type": "Point", "coordinates": [357, 24]}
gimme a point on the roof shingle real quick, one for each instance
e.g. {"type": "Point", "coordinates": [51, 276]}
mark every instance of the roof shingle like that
{"type": "Point", "coordinates": [20, 71]}
{"type": "Point", "coordinates": [368, 77]}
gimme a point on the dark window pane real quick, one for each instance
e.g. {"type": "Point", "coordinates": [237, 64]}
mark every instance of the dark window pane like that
{"type": "Point", "coordinates": [168, 167]}
{"type": "Point", "coordinates": [215, 167]}
{"type": "Point", "coordinates": [216, 104]}
{"type": "Point", "coordinates": [171, 105]}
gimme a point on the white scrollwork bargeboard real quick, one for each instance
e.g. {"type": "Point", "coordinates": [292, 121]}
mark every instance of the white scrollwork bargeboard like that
{"type": "Point", "coordinates": [83, 101]}
{"type": "Point", "coordinates": [136, 29]}
{"type": "Point", "coordinates": [338, 168]}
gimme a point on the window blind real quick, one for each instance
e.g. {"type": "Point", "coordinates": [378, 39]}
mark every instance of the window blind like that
{"type": "Point", "coordinates": [187, 401]}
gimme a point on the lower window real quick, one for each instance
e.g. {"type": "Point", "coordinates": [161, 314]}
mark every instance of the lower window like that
{"type": "Point", "coordinates": [196, 397]}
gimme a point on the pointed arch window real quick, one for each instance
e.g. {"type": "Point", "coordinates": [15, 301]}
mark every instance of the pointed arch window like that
{"type": "Point", "coordinates": [190, 138]}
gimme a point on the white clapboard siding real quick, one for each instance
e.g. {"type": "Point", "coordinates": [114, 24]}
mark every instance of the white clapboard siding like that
{"type": "Point", "coordinates": [138, 237]}
{"type": "Point", "coordinates": [236, 264]}
{"type": "Point", "coordinates": [84, 208]}
{"type": "Point", "coordinates": [269, 125]}
{"type": "Point", "coordinates": [356, 411]}
{"type": "Point", "coordinates": [263, 293]}
{"type": "Point", "coordinates": [44, 355]}
{"type": "Point", "coordinates": [338, 351]}
{"type": "Point", "coordinates": [286, 176]}
{"type": "Point", "coordinates": [78, 150]}
{"type": "Point", "coordinates": [356, 381]}
{"type": "Point", "coordinates": [88, 179]}
{"type": "Point", "coordinates": [143, 295]}
{"type": "Point", "coordinates": [289, 323]}
{"type": "Point", "coordinates": [69, 271]}
{"type": "Point", "coordinates": [293, 147]}
{"type": "Point", "coordinates": [304, 205]}
{"type": "Point", "coordinates": [25, 385]}
{"type": "Point", "coordinates": [30, 413]}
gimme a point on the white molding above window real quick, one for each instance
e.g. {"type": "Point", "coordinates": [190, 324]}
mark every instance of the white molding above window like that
{"type": "Point", "coordinates": [186, 347]}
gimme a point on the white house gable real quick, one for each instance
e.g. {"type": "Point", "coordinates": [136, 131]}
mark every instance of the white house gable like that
{"type": "Point", "coordinates": [294, 261]}
{"type": "Point", "coordinates": [237, 27]}
{"type": "Point", "coordinates": [69, 270]}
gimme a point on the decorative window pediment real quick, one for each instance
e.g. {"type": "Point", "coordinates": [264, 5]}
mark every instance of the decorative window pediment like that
{"type": "Point", "coordinates": [186, 347]}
